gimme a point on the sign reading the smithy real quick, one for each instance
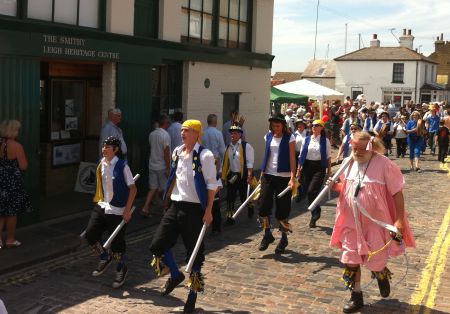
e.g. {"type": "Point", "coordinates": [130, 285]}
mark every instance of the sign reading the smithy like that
{"type": "Point", "coordinates": [74, 47]}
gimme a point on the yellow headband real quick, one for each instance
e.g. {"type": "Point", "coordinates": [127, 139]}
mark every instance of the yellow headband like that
{"type": "Point", "coordinates": [319, 122]}
{"type": "Point", "coordinates": [195, 125]}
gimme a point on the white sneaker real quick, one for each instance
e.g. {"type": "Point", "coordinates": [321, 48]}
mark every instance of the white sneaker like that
{"type": "Point", "coordinates": [120, 277]}
{"type": "Point", "coordinates": [102, 266]}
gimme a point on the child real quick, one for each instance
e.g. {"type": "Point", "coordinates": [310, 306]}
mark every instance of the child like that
{"type": "Point", "coordinates": [114, 196]}
{"type": "Point", "coordinates": [442, 138]}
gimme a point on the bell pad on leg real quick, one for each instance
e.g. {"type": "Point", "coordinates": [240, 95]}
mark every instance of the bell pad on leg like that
{"type": "Point", "coordinates": [348, 277]}
{"type": "Point", "coordinates": [158, 265]}
{"type": "Point", "coordinates": [196, 282]}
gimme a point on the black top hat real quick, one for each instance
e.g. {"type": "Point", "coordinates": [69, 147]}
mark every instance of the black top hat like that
{"type": "Point", "coordinates": [277, 118]}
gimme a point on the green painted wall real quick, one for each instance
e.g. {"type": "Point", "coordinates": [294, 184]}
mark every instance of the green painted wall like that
{"type": "Point", "coordinates": [19, 99]}
{"type": "Point", "coordinates": [134, 98]}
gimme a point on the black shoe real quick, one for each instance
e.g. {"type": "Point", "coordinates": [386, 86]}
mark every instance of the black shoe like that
{"type": "Point", "coordinates": [312, 223]}
{"type": "Point", "coordinates": [120, 277]}
{"type": "Point", "coordinates": [267, 239]}
{"type": "Point", "coordinates": [172, 283]}
{"type": "Point", "coordinates": [102, 266]}
{"type": "Point", "coordinates": [281, 246]}
{"type": "Point", "coordinates": [355, 303]}
{"type": "Point", "coordinates": [250, 212]}
{"type": "Point", "coordinates": [189, 307]}
{"type": "Point", "coordinates": [384, 286]}
{"type": "Point", "coordinates": [229, 222]}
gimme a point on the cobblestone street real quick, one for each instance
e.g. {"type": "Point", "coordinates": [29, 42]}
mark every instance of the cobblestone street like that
{"type": "Point", "coordinates": [241, 279]}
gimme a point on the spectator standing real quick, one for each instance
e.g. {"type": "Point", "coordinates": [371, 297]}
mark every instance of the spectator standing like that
{"type": "Point", "coordinates": [174, 130]}
{"type": "Point", "coordinates": [111, 128]}
{"type": "Point", "coordinates": [212, 139]}
{"type": "Point", "coordinates": [13, 198]}
{"type": "Point", "coordinates": [159, 161]}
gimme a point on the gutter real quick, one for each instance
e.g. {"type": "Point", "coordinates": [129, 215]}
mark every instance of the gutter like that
{"type": "Point", "coordinates": [415, 87]}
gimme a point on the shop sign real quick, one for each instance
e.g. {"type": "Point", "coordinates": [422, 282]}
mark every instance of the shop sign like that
{"type": "Point", "coordinates": [86, 178]}
{"type": "Point", "coordinates": [397, 89]}
{"type": "Point", "coordinates": [67, 46]}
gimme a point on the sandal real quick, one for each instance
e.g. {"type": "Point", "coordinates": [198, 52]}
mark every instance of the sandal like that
{"type": "Point", "coordinates": [13, 244]}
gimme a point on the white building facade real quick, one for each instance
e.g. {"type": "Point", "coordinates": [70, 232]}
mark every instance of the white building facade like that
{"type": "Point", "coordinates": [384, 74]}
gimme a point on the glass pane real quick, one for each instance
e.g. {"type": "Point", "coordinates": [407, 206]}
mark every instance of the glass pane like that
{"type": "Point", "coordinates": [242, 32]}
{"type": "Point", "coordinates": [224, 8]}
{"type": "Point", "coordinates": [66, 11]}
{"type": "Point", "coordinates": [234, 9]}
{"type": "Point", "coordinates": [8, 7]}
{"type": "Point", "coordinates": [223, 32]}
{"type": "Point", "coordinates": [244, 11]}
{"type": "Point", "coordinates": [195, 25]}
{"type": "Point", "coordinates": [184, 23]}
{"type": "Point", "coordinates": [233, 34]}
{"type": "Point", "coordinates": [40, 10]}
{"type": "Point", "coordinates": [185, 3]}
{"type": "Point", "coordinates": [89, 13]}
{"type": "Point", "coordinates": [207, 6]}
{"type": "Point", "coordinates": [207, 28]}
{"type": "Point", "coordinates": [196, 5]}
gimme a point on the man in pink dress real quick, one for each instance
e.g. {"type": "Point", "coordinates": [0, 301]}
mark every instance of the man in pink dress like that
{"type": "Point", "coordinates": [371, 222]}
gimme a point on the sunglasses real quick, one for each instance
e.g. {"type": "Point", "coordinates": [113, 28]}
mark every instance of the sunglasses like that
{"type": "Point", "coordinates": [353, 129]}
{"type": "Point", "coordinates": [316, 125]}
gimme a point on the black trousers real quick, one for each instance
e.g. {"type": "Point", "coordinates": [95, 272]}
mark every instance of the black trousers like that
{"type": "Point", "coordinates": [101, 222]}
{"type": "Point", "coordinates": [185, 219]}
{"type": "Point", "coordinates": [443, 152]}
{"type": "Point", "coordinates": [239, 186]}
{"type": "Point", "coordinates": [314, 175]}
{"type": "Point", "coordinates": [401, 146]}
{"type": "Point", "coordinates": [431, 141]}
{"type": "Point", "coordinates": [271, 186]}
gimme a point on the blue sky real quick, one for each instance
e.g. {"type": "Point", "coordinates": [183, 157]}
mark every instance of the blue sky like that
{"type": "Point", "coordinates": [294, 27]}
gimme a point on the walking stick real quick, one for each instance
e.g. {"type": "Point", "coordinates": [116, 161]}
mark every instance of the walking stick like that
{"type": "Point", "coordinates": [284, 192]}
{"type": "Point", "coordinates": [196, 248]}
{"type": "Point", "coordinates": [326, 188]}
{"type": "Point", "coordinates": [135, 178]}
{"type": "Point", "coordinates": [256, 190]}
{"type": "Point", "coordinates": [116, 232]}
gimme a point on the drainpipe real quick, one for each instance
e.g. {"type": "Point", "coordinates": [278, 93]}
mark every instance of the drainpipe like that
{"type": "Point", "coordinates": [417, 70]}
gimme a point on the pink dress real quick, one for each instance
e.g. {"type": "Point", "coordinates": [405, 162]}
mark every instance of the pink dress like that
{"type": "Point", "coordinates": [354, 233]}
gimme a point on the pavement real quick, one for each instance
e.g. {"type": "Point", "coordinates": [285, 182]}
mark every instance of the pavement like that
{"type": "Point", "coordinates": [239, 278]}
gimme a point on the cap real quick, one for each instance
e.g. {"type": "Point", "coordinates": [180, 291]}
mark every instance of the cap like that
{"type": "Point", "coordinates": [300, 121]}
{"type": "Point", "coordinates": [235, 128]}
{"type": "Point", "coordinates": [277, 118]}
{"type": "Point", "coordinates": [112, 141]}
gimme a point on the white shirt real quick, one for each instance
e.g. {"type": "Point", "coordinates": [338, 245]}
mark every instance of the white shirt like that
{"type": "Point", "coordinates": [158, 139]}
{"type": "Point", "coordinates": [272, 163]}
{"type": "Point", "coordinates": [379, 125]}
{"type": "Point", "coordinates": [290, 122]}
{"type": "Point", "coordinates": [174, 131]}
{"type": "Point", "coordinates": [314, 148]}
{"type": "Point", "coordinates": [400, 133]}
{"type": "Point", "coordinates": [184, 188]}
{"type": "Point", "coordinates": [234, 156]}
{"type": "Point", "coordinates": [107, 183]}
{"type": "Point", "coordinates": [299, 139]}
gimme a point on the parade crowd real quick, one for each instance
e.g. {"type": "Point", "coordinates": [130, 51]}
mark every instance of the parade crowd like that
{"type": "Point", "coordinates": [189, 164]}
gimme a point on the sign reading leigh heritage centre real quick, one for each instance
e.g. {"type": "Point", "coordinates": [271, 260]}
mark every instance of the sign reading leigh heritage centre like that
{"type": "Point", "coordinates": [74, 47]}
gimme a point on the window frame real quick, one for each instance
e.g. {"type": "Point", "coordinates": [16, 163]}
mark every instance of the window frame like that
{"type": "Point", "coordinates": [396, 72]}
{"type": "Point", "coordinates": [18, 12]}
{"type": "Point", "coordinates": [101, 15]}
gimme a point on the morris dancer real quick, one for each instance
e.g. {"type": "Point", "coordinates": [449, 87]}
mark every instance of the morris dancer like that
{"type": "Point", "coordinates": [237, 171]}
{"type": "Point", "coordinates": [114, 195]}
{"type": "Point", "coordinates": [384, 129]}
{"type": "Point", "coordinates": [314, 164]}
{"type": "Point", "coordinates": [191, 187]}
{"type": "Point", "coordinates": [371, 187]}
{"type": "Point", "coordinates": [278, 172]}
{"type": "Point", "coordinates": [346, 146]}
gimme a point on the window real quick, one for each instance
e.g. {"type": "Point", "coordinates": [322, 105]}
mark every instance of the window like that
{"type": "Point", "coordinates": [197, 21]}
{"type": "Point", "coordinates": [230, 103]}
{"type": "Point", "coordinates": [74, 12]}
{"type": "Point", "coordinates": [8, 7]}
{"type": "Point", "coordinates": [398, 72]}
{"type": "Point", "coordinates": [432, 74]}
{"type": "Point", "coordinates": [233, 23]}
{"type": "Point", "coordinates": [223, 23]}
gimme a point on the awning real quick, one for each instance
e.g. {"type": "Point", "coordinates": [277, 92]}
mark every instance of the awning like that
{"type": "Point", "coordinates": [279, 96]}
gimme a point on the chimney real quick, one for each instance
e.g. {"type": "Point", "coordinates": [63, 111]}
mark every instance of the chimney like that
{"type": "Point", "coordinates": [406, 40]}
{"type": "Point", "coordinates": [439, 42]}
{"type": "Point", "coordinates": [375, 43]}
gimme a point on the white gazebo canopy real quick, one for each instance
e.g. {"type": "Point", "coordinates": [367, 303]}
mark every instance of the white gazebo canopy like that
{"type": "Point", "coordinates": [311, 89]}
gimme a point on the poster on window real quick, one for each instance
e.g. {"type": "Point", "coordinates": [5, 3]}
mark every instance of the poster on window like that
{"type": "Point", "coordinates": [66, 154]}
{"type": "Point", "coordinates": [86, 178]}
{"type": "Point", "coordinates": [71, 123]}
{"type": "Point", "coordinates": [69, 107]}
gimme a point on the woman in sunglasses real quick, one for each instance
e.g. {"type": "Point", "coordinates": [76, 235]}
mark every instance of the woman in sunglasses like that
{"type": "Point", "coordinates": [315, 163]}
